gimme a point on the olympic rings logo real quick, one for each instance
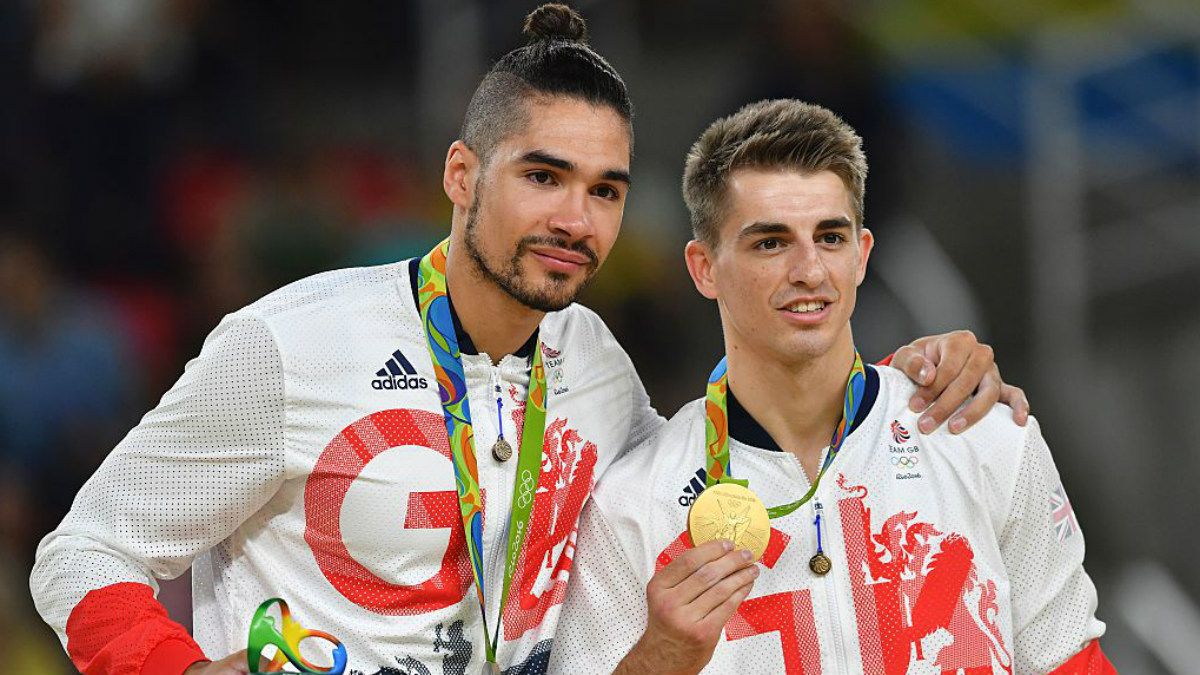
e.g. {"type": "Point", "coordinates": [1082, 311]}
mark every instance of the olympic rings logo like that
{"type": "Point", "coordinates": [525, 489]}
{"type": "Point", "coordinates": [905, 461]}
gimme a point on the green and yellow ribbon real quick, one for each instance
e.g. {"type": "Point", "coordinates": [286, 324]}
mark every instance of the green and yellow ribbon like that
{"type": "Point", "coordinates": [716, 430]}
{"type": "Point", "coordinates": [434, 305]}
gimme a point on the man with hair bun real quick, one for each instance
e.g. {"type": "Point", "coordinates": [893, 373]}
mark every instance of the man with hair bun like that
{"type": "Point", "coordinates": [337, 442]}
{"type": "Point", "coordinates": [881, 547]}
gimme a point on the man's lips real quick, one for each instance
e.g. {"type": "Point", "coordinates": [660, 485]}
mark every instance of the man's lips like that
{"type": "Point", "coordinates": [560, 259]}
{"type": "Point", "coordinates": [807, 311]}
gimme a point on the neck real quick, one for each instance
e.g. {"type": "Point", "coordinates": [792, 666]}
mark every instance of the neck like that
{"type": "Point", "coordinates": [798, 403]}
{"type": "Point", "coordinates": [497, 324]}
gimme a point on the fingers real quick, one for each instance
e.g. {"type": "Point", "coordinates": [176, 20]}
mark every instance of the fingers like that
{"type": "Point", "coordinates": [724, 591]}
{"type": "Point", "coordinates": [719, 615]}
{"type": "Point", "coordinates": [985, 397]}
{"type": "Point", "coordinates": [688, 562]}
{"type": "Point", "coordinates": [958, 375]}
{"type": "Point", "coordinates": [709, 583]}
{"type": "Point", "coordinates": [686, 615]}
{"type": "Point", "coordinates": [931, 362]}
{"type": "Point", "coordinates": [236, 663]}
{"type": "Point", "coordinates": [1014, 397]}
{"type": "Point", "coordinates": [911, 361]}
{"type": "Point", "coordinates": [710, 575]}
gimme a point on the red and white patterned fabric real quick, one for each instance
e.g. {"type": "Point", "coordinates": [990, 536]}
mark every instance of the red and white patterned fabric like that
{"type": "Point", "coordinates": [949, 553]}
{"type": "Point", "coordinates": [303, 455]}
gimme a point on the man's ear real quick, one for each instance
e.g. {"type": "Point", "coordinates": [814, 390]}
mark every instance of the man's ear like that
{"type": "Point", "coordinates": [459, 174]}
{"type": "Point", "coordinates": [699, 257]}
{"type": "Point", "coordinates": [866, 242]}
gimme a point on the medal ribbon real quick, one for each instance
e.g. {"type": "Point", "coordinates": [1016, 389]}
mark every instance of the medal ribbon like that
{"type": "Point", "coordinates": [716, 430]}
{"type": "Point", "coordinates": [434, 306]}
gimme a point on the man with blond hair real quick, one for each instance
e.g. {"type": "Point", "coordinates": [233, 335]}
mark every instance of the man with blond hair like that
{"type": "Point", "coordinates": [880, 547]}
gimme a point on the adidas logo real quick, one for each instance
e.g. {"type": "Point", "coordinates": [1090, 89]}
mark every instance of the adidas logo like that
{"type": "Point", "coordinates": [694, 487]}
{"type": "Point", "coordinates": [398, 373]}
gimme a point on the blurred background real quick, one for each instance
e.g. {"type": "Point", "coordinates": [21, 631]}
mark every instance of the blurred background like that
{"type": "Point", "coordinates": [1035, 177]}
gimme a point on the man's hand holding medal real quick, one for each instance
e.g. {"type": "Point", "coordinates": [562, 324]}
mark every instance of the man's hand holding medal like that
{"type": "Point", "coordinates": [689, 602]}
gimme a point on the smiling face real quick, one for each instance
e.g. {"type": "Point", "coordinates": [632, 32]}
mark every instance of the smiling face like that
{"type": "Point", "coordinates": [786, 267]}
{"type": "Point", "coordinates": [545, 209]}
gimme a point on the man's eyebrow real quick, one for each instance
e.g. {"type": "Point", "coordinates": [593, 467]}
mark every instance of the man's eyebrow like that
{"type": "Point", "coordinates": [762, 227]}
{"type": "Point", "coordinates": [834, 223]}
{"type": "Point", "coordinates": [618, 175]}
{"type": "Point", "coordinates": [543, 157]}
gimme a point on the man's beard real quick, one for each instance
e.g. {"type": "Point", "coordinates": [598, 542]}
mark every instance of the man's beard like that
{"type": "Point", "coordinates": [555, 296]}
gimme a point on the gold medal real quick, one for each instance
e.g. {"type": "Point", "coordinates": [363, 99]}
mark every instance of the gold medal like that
{"type": "Point", "coordinates": [820, 564]}
{"type": "Point", "coordinates": [501, 450]}
{"type": "Point", "coordinates": [730, 511]}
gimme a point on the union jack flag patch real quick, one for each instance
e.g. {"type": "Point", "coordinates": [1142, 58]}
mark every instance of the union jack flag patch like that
{"type": "Point", "coordinates": [1062, 514]}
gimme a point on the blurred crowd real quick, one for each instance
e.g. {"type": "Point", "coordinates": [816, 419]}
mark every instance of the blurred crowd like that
{"type": "Point", "coordinates": [164, 162]}
{"type": "Point", "coordinates": [149, 185]}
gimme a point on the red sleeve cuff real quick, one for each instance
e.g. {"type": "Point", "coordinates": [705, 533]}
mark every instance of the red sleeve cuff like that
{"type": "Point", "coordinates": [1090, 661]}
{"type": "Point", "coordinates": [122, 628]}
{"type": "Point", "coordinates": [172, 657]}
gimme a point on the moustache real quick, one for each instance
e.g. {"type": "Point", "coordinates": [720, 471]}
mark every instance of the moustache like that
{"type": "Point", "coordinates": [579, 247]}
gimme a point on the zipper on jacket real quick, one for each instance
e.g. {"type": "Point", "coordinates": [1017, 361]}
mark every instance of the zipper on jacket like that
{"type": "Point", "coordinates": [497, 402]}
{"type": "Point", "coordinates": [496, 507]}
{"type": "Point", "coordinates": [831, 590]}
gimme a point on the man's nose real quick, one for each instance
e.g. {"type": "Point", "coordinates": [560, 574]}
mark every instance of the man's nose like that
{"type": "Point", "coordinates": [570, 218]}
{"type": "Point", "coordinates": [806, 267]}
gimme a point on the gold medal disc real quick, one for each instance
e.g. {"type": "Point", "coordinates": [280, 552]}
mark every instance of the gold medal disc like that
{"type": "Point", "coordinates": [820, 564]}
{"type": "Point", "coordinates": [730, 511]}
{"type": "Point", "coordinates": [502, 451]}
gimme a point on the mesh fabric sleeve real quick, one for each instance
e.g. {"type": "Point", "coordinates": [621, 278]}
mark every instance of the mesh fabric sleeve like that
{"type": "Point", "coordinates": [644, 419]}
{"type": "Point", "coordinates": [197, 466]}
{"type": "Point", "coordinates": [604, 612]}
{"type": "Point", "coordinates": [1053, 599]}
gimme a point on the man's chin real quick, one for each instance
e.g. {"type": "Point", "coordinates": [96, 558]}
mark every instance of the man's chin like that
{"type": "Point", "coordinates": [552, 302]}
{"type": "Point", "coordinates": [549, 297]}
{"type": "Point", "coordinates": [552, 291]}
{"type": "Point", "coordinates": [803, 349]}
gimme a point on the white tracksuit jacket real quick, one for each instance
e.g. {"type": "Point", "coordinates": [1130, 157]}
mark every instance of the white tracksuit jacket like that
{"type": "Point", "coordinates": [950, 553]}
{"type": "Point", "coordinates": [303, 455]}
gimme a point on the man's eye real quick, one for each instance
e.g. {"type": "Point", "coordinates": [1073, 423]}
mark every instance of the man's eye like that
{"type": "Point", "coordinates": [769, 244]}
{"type": "Point", "coordinates": [607, 192]}
{"type": "Point", "coordinates": [540, 177]}
{"type": "Point", "coordinates": [832, 238]}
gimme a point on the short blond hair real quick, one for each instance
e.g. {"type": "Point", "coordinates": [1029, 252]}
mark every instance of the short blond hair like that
{"type": "Point", "coordinates": [778, 134]}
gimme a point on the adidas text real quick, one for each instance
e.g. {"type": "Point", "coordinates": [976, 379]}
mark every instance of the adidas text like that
{"type": "Point", "coordinates": [393, 382]}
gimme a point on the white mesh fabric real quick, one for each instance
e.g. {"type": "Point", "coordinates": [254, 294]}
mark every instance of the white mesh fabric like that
{"type": "Point", "coordinates": [605, 610]}
{"type": "Point", "coordinates": [946, 551]}
{"type": "Point", "coordinates": [209, 455]}
{"type": "Point", "coordinates": [645, 421]}
{"type": "Point", "coordinates": [279, 466]}
{"type": "Point", "coordinates": [1054, 600]}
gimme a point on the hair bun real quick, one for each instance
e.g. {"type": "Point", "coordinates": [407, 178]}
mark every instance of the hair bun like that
{"type": "Point", "coordinates": [555, 22]}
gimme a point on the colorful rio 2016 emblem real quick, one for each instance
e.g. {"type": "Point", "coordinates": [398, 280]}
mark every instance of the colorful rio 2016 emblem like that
{"type": "Point", "coordinates": [264, 632]}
